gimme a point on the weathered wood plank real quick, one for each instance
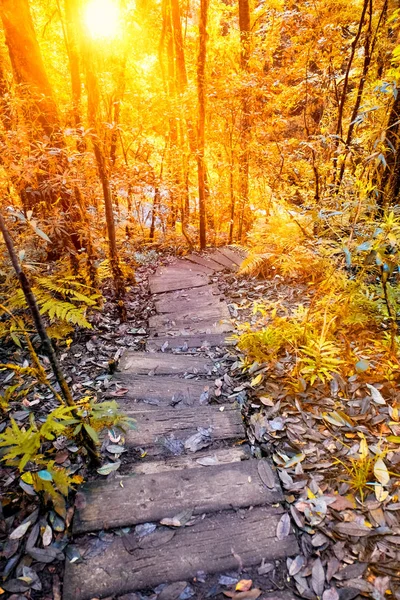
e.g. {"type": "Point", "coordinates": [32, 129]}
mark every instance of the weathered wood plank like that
{"type": "Point", "coordinates": [220, 258]}
{"type": "Point", "coordinates": [233, 255]}
{"type": "Point", "coordinates": [193, 267]}
{"type": "Point", "coordinates": [145, 363]}
{"type": "Point", "coordinates": [206, 261]}
{"type": "Point", "coordinates": [219, 455]}
{"type": "Point", "coordinates": [164, 390]}
{"type": "Point", "coordinates": [168, 280]}
{"type": "Point", "coordinates": [197, 315]}
{"type": "Point", "coordinates": [210, 546]}
{"type": "Point", "coordinates": [153, 424]}
{"type": "Point", "coordinates": [204, 297]}
{"type": "Point", "coordinates": [203, 327]}
{"type": "Point", "coordinates": [143, 498]}
{"type": "Point", "coordinates": [187, 342]}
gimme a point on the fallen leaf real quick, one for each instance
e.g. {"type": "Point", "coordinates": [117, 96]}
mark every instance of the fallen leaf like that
{"type": "Point", "coordinates": [342, 503]}
{"type": "Point", "coordinates": [283, 528]}
{"type": "Point", "coordinates": [330, 594]}
{"type": "Point", "coordinates": [375, 394]}
{"type": "Point", "coordinates": [244, 585]}
{"type": "Point", "coordinates": [381, 472]}
{"type": "Point", "coordinates": [109, 468]}
{"type": "Point", "coordinates": [352, 529]}
{"type": "Point", "coordinates": [20, 531]}
{"type": "Point", "coordinates": [297, 564]}
{"type": "Point", "coordinates": [47, 536]}
{"type": "Point", "coordinates": [318, 577]}
{"type": "Point", "coordinates": [266, 474]}
{"type": "Point", "coordinates": [178, 520]}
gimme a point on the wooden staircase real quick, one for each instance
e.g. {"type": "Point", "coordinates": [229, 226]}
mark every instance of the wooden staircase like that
{"type": "Point", "coordinates": [197, 502]}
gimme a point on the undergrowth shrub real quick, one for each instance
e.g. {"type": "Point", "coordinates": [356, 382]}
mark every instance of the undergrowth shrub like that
{"type": "Point", "coordinates": [348, 322]}
{"type": "Point", "coordinates": [63, 300]}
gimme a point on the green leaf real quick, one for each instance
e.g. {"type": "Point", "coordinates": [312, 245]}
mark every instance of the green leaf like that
{"type": "Point", "coordinates": [77, 429]}
{"type": "Point", "coordinates": [109, 468]}
{"type": "Point", "coordinates": [45, 475]}
{"type": "Point", "coordinates": [93, 434]}
{"type": "Point", "coordinates": [362, 365]}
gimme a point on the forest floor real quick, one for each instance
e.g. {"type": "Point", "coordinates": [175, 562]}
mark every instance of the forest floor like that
{"type": "Point", "coordinates": [349, 548]}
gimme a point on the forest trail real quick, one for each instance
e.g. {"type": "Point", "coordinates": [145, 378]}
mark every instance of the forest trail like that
{"type": "Point", "coordinates": [231, 501]}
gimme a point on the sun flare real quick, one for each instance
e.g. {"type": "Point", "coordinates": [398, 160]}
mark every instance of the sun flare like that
{"type": "Point", "coordinates": [102, 18]}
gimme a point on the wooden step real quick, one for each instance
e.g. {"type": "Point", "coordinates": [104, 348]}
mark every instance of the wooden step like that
{"type": "Point", "coordinates": [223, 260]}
{"type": "Point", "coordinates": [155, 423]}
{"type": "Point", "coordinates": [165, 390]}
{"type": "Point", "coordinates": [203, 458]}
{"type": "Point", "coordinates": [206, 261]}
{"type": "Point", "coordinates": [145, 363]}
{"type": "Point", "coordinates": [203, 296]}
{"type": "Point", "coordinates": [132, 499]}
{"type": "Point", "coordinates": [211, 545]}
{"type": "Point", "coordinates": [206, 327]}
{"type": "Point", "coordinates": [190, 266]}
{"type": "Point", "coordinates": [186, 342]}
{"type": "Point", "coordinates": [233, 255]}
{"type": "Point", "coordinates": [179, 318]}
{"type": "Point", "coordinates": [168, 280]}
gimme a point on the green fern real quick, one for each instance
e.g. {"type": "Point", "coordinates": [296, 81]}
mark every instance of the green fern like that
{"type": "Point", "coordinates": [63, 300]}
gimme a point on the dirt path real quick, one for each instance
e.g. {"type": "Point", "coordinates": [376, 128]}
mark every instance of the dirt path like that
{"type": "Point", "coordinates": [197, 503]}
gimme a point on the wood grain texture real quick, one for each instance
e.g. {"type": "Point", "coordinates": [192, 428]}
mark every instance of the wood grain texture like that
{"type": "Point", "coordinates": [153, 425]}
{"type": "Point", "coordinates": [205, 261]}
{"type": "Point", "coordinates": [205, 327]}
{"type": "Point", "coordinates": [223, 260]}
{"type": "Point", "coordinates": [143, 498]}
{"type": "Point", "coordinates": [185, 461]}
{"type": "Point", "coordinates": [164, 390]}
{"type": "Point", "coordinates": [190, 266]}
{"type": "Point", "coordinates": [194, 315]}
{"type": "Point", "coordinates": [168, 279]}
{"type": "Point", "coordinates": [143, 363]}
{"type": "Point", "coordinates": [203, 296]}
{"type": "Point", "coordinates": [186, 342]}
{"type": "Point", "coordinates": [210, 545]}
{"type": "Point", "coordinates": [233, 255]}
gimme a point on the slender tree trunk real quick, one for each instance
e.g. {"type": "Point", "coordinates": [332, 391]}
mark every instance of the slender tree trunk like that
{"type": "Point", "coordinates": [339, 125]}
{"type": "Point", "coordinates": [368, 50]}
{"type": "Point", "coordinates": [93, 118]}
{"type": "Point", "coordinates": [71, 30]}
{"type": "Point", "coordinates": [201, 85]}
{"type": "Point", "coordinates": [245, 126]}
{"type": "Point", "coordinates": [40, 328]}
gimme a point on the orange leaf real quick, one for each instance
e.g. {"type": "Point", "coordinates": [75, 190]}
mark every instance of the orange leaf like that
{"type": "Point", "coordinates": [244, 585]}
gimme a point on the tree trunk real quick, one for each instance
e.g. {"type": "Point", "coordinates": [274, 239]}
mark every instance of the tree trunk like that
{"type": "Point", "coordinates": [390, 181]}
{"type": "Point", "coordinates": [28, 67]}
{"type": "Point", "coordinates": [201, 170]}
{"type": "Point", "coordinates": [245, 126]}
{"type": "Point", "coordinates": [343, 97]}
{"type": "Point", "coordinates": [93, 118]}
{"type": "Point", "coordinates": [40, 112]}
{"type": "Point", "coordinates": [72, 34]}
{"type": "Point", "coordinates": [369, 46]}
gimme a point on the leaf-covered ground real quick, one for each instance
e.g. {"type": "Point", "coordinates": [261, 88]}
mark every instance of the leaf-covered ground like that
{"type": "Point", "coordinates": [33, 543]}
{"type": "Point", "coordinates": [335, 447]}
